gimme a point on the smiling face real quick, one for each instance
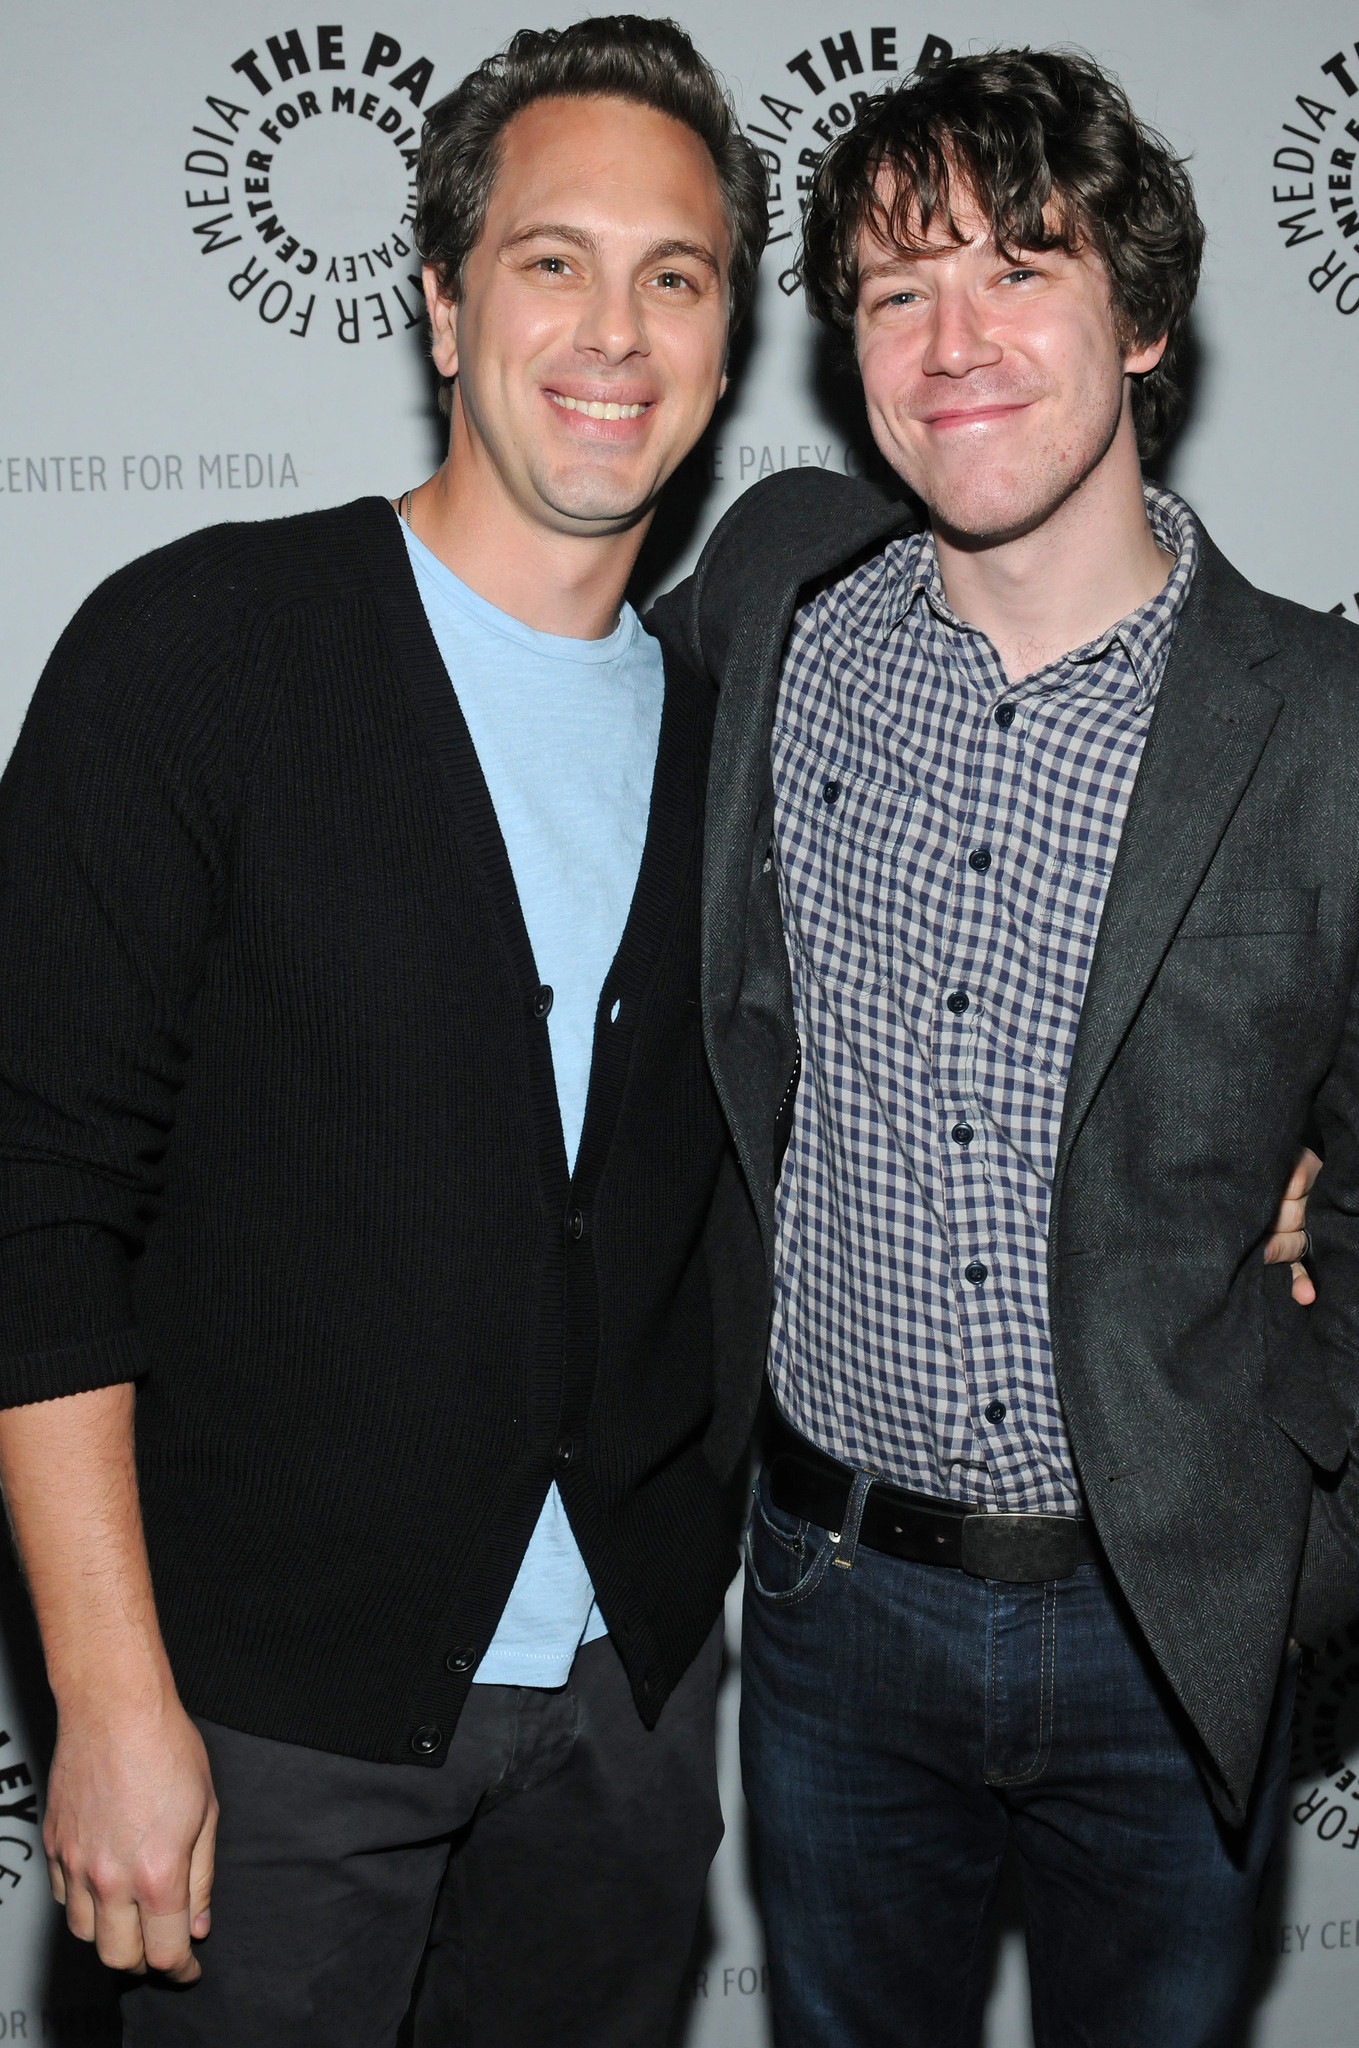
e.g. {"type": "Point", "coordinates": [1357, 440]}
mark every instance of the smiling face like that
{"type": "Point", "coordinates": [590, 335]}
{"type": "Point", "coordinates": [995, 385]}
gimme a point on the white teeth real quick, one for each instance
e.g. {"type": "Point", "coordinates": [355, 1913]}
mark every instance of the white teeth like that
{"type": "Point", "coordinates": [596, 409]}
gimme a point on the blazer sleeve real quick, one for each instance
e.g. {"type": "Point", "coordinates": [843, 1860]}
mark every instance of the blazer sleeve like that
{"type": "Point", "coordinates": [111, 875]}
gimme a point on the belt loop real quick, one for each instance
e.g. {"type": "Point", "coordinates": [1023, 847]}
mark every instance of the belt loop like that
{"type": "Point", "coordinates": [846, 1538]}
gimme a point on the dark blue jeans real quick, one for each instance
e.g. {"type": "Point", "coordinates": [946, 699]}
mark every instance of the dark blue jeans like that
{"type": "Point", "coordinates": [899, 1723]}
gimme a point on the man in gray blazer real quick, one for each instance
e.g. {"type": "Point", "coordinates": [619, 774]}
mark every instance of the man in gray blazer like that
{"type": "Point", "coordinates": [1032, 908]}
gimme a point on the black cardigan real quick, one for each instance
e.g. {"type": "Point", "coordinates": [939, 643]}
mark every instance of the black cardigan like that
{"type": "Point", "coordinates": [279, 1140]}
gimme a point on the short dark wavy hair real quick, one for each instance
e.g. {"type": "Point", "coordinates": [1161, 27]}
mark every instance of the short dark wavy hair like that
{"type": "Point", "coordinates": [1047, 146]}
{"type": "Point", "coordinates": [617, 56]}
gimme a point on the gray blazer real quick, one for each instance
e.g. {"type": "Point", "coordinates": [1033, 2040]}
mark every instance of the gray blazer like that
{"type": "Point", "coordinates": [1211, 1419]}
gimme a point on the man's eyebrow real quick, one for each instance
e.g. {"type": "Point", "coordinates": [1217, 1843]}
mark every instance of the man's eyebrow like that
{"type": "Point", "coordinates": [658, 252]}
{"type": "Point", "coordinates": [905, 260]}
{"type": "Point", "coordinates": [553, 231]}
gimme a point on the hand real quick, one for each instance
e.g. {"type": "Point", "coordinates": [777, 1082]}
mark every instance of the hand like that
{"type": "Point", "coordinates": [1291, 1223]}
{"type": "Point", "coordinates": [129, 1832]}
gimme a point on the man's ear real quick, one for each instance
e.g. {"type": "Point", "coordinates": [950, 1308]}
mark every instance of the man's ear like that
{"type": "Point", "coordinates": [1139, 360]}
{"type": "Point", "coordinates": [443, 323]}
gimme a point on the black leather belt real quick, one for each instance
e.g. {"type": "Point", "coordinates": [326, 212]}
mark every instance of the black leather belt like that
{"type": "Point", "coordinates": [1024, 1550]}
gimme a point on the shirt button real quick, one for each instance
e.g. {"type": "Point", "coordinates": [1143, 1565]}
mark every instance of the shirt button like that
{"type": "Point", "coordinates": [424, 1741]}
{"type": "Point", "coordinates": [460, 1660]}
{"type": "Point", "coordinates": [958, 1001]}
{"type": "Point", "coordinates": [575, 1224]}
{"type": "Point", "coordinates": [980, 860]}
{"type": "Point", "coordinates": [975, 1273]}
{"type": "Point", "coordinates": [831, 792]}
{"type": "Point", "coordinates": [542, 1002]}
{"type": "Point", "coordinates": [566, 1450]}
{"type": "Point", "coordinates": [962, 1134]}
{"type": "Point", "coordinates": [994, 1411]}
{"type": "Point", "coordinates": [1005, 715]}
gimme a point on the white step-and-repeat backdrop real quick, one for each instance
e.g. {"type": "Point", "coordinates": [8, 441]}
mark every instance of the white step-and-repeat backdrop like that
{"type": "Point", "coordinates": [212, 312]}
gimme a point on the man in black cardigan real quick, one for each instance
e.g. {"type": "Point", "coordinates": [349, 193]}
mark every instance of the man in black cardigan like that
{"type": "Point", "coordinates": [404, 1249]}
{"type": "Point", "coordinates": [1032, 847]}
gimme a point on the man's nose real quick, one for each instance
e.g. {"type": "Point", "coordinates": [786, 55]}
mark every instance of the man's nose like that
{"type": "Point", "coordinates": [958, 340]}
{"type": "Point", "coordinates": [612, 324]}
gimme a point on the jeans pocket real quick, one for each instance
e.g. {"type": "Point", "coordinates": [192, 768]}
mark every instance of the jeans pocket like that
{"type": "Point", "coordinates": [786, 1559]}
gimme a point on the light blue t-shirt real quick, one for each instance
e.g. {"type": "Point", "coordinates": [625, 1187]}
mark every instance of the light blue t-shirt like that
{"type": "Point", "coordinates": [566, 732]}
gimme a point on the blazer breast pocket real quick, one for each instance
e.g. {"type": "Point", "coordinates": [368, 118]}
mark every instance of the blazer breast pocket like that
{"type": "Point", "coordinates": [1251, 913]}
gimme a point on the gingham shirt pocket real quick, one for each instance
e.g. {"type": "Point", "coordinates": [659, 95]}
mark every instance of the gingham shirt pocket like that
{"type": "Point", "coordinates": [840, 836]}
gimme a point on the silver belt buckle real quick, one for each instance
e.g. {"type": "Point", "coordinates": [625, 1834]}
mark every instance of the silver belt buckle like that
{"type": "Point", "coordinates": [1020, 1550]}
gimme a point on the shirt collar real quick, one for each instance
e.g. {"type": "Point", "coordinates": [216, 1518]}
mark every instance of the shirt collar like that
{"type": "Point", "coordinates": [911, 574]}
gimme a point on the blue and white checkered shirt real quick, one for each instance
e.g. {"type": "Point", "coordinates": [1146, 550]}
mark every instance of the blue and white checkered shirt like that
{"type": "Point", "coordinates": [945, 840]}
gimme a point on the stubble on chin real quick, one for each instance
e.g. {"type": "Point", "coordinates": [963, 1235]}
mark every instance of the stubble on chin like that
{"type": "Point", "coordinates": [985, 510]}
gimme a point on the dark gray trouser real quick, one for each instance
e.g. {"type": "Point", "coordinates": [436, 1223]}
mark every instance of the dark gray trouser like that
{"type": "Point", "coordinates": [543, 1887]}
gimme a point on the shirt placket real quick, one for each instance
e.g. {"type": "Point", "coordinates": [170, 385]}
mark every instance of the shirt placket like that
{"type": "Point", "coordinates": [988, 772]}
{"type": "Point", "coordinates": [960, 1134]}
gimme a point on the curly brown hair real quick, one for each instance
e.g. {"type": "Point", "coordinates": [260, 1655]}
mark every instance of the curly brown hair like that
{"type": "Point", "coordinates": [612, 56]}
{"type": "Point", "coordinates": [1047, 147]}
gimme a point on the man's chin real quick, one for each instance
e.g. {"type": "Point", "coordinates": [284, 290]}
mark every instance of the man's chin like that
{"type": "Point", "coordinates": [598, 504]}
{"type": "Point", "coordinates": [975, 521]}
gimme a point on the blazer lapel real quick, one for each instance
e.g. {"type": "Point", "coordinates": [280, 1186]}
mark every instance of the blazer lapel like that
{"type": "Point", "coordinates": [1212, 719]}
